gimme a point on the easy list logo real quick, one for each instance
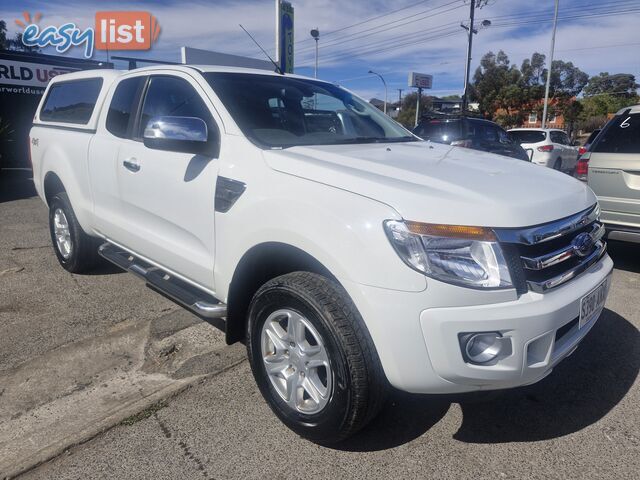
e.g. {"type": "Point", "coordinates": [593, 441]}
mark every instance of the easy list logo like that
{"type": "Point", "coordinates": [113, 31]}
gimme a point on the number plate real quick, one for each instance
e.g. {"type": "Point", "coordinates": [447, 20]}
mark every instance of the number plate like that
{"type": "Point", "coordinates": [593, 302]}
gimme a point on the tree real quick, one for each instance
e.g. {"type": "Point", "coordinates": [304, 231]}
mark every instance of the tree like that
{"type": "Point", "coordinates": [623, 84]}
{"type": "Point", "coordinates": [533, 71]}
{"type": "Point", "coordinates": [17, 44]}
{"type": "Point", "coordinates": [566, 79]}
{"type": "Point", "coordinates": [3, 35]}
{"type": "Point", "coordinates": [490, 78]}
{"type": "Point", "coordinates": [505, 93]}
{"type": "Point", "coordinates": [407, 115]}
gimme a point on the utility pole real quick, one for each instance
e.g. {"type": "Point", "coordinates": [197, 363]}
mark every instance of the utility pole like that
{"type": "Point", "coordinates": [400, 95]}
{"type": "Point", "coordinates": [553, 45]}
{"type": "Point", "coordinates": [467, 66]}
{"type": "Point", "coordinates": [471, 31]}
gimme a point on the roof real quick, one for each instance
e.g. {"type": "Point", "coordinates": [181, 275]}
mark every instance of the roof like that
{"type": "Point", "coordinates": [534, 129]}
{"type": "Point", "coordinates": [112, 74]}
{"type": "Point", "coordinates": [634, 109]}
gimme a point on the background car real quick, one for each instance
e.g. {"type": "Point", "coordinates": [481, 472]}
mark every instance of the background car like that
{"type": "Point", "coordinates": [551, 147]}
{"type": "Point", "coordinates": [469, 132]}
{"type": "Point", "coordinates": [585, 148]}
{"type": "Point", "coordinates": [611, 167]}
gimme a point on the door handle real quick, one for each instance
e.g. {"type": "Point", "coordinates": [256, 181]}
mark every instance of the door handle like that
{"type": "Point", "coordinates": [131, 164]}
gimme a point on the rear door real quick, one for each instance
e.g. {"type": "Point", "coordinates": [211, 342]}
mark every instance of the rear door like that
{"type": "Point", "coordinates": [559, 148]}
{"type": "Point", "coordinates": [570, 153]}
{"type": "Point", "coordinates": [614, 169]}
{"type": "Point", "coordinates": [166, 198]}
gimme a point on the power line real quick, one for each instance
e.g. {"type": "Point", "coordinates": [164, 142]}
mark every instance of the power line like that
{"type": "Point", "coordinates": [364, 50]}
{"type": "Point", "coordinates": [346, 27]}
{"type": "Point", "coordinates": [358, 35]}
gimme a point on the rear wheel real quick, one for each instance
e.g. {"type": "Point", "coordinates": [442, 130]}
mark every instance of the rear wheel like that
{"type": "Point", "coordinates": [312, 357]}
{"type": "Point", "coordinates": [76, 251]}
{"type": "Point", "coordinates": [558, 164]}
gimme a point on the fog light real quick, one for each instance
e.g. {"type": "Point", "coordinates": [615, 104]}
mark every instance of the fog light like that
{"type": "Point", "coordinates": [483, 347]}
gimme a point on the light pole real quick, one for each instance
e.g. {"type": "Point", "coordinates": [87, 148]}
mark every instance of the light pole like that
{"type": "Point", "coordinates": [385, 89]}
{"type": "Point", "coordinates": [546, 88]}
{"type": "Point", "coordinates": [315, 33]}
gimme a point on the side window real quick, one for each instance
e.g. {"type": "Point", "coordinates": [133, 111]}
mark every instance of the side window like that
{"type": "Point", "coordinates": [556, 137]}
{"type": "Point", "coordinates": [172, 96]}
{"type": "Point", "coordinates": [72, 101]}
{"type": "Point", "coordinates": [122, 105]}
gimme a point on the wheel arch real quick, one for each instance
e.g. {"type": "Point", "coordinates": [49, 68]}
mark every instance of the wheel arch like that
{"type": "Point", "coordinates": [52, 186]}
{"type": "Point", "coordinates": [257, 266]}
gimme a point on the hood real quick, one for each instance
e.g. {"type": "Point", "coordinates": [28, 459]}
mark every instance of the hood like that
{"type": "Point", "coordinates": [435, 183]}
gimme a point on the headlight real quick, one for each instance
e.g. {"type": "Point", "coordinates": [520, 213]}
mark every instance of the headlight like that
{"type": "Point", "coordinates": [462, 255]}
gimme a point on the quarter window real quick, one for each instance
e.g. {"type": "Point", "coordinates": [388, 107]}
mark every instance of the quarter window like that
{"type": "Point", "coordinates": [122, 105]}
{"type": "Point", "coordinates": [72, 101]}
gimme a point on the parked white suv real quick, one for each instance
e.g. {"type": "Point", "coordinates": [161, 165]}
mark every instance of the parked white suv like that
{"type": "Point", "coordinates": [550, 147]}
{"type": "Point", "coordinates": [349, 254]}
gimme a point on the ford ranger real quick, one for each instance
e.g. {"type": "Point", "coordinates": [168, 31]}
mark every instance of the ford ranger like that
{"type": "Point", "coordinates": [350, 255]}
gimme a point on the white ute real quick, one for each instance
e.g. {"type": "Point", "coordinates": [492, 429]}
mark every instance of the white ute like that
{"type": "Point", "coordinates": [349, 254]}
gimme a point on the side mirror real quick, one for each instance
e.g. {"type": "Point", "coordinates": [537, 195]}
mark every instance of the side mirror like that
{"type": "Point", "coordinates": [180, 134]}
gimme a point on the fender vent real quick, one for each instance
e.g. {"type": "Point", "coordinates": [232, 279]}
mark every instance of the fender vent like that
{"type": "Point", "coordinates": [228, 191]}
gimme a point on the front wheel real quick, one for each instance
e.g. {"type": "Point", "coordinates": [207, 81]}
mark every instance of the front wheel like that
{"type": "Point", "coordinates": [312, 357]}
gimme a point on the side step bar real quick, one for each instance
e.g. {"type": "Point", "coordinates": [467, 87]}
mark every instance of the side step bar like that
{"type": "Point", "coordinates": [190, 297]}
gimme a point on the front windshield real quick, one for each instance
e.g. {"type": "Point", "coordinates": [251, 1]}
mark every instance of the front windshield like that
{"type": "Point", "coordinates": [280, 112]}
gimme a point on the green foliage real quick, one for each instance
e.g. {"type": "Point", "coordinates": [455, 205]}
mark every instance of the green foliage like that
{"type": "Point", "coordinates": [13, 43]}
{"type": "Point", "coordinates": [504, 92]}
{"type": "Point", "coordinates": [507, 94]}
{"type": "Point", "coordinates": [3, 35]}
{"type": "Point", "coordinates": [623, 84]}
{"type": "Point", "coordinates": [6, 132]}
{"type": "Point", "coordinates": [407, 115]}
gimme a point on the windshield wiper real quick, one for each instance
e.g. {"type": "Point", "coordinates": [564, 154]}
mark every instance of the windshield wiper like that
{"type": "Point", "coordinates": [374, 140]}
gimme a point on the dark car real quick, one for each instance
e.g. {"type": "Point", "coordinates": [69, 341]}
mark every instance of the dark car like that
{"type": "Point", "coordinates": [470, 132]}
{"type": "Point", "coordinates": [585, 148]}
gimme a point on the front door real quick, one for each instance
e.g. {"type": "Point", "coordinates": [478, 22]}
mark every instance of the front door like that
{"type": "Point", "coordinates": [167, 198]}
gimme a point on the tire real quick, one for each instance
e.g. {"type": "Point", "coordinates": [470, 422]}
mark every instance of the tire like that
{"type": "Point", "coordinates": [82, 252]}
{"type": "Point", "coordinates": [354, 384]}
{"type": "Point", "coordinates": [558, 164]}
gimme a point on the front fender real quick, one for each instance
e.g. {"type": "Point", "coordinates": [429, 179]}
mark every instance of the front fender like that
{"type": "Point", "coordinates": [340, 229]}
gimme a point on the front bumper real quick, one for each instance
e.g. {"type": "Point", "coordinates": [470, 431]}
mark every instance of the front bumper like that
{"type": "Point", "coordinates": [419, 347]}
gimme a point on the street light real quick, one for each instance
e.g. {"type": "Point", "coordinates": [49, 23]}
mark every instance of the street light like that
{"type": "Point", "coordinates": [315, 33]}
{"type": "Point", "coordinates": [385, 89]}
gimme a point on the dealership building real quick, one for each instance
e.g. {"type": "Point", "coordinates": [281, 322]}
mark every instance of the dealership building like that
{"type": "Point", "coordinates": [23, 78]}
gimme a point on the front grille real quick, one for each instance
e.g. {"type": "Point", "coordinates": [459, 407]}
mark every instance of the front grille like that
{"type": "Point", "coordinates": [546, 256]}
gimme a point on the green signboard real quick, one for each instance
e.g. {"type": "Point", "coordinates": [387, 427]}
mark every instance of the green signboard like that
{"type": "Point", "coordinates": [285, 36]}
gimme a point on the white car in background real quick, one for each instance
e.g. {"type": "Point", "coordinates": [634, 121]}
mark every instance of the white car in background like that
{"type": "Point", "coordinates": [551, 147]}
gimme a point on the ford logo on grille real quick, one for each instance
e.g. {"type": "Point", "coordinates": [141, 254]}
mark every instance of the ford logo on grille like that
{"type": "Point", "coordinates": [582, 244]}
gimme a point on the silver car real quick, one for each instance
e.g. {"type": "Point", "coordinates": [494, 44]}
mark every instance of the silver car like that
{"type": "Point", "coordinates": [612, 169]}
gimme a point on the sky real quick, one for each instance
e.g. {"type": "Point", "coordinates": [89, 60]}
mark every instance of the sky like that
{"type": "Point", "coordinates": [390, 37]}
